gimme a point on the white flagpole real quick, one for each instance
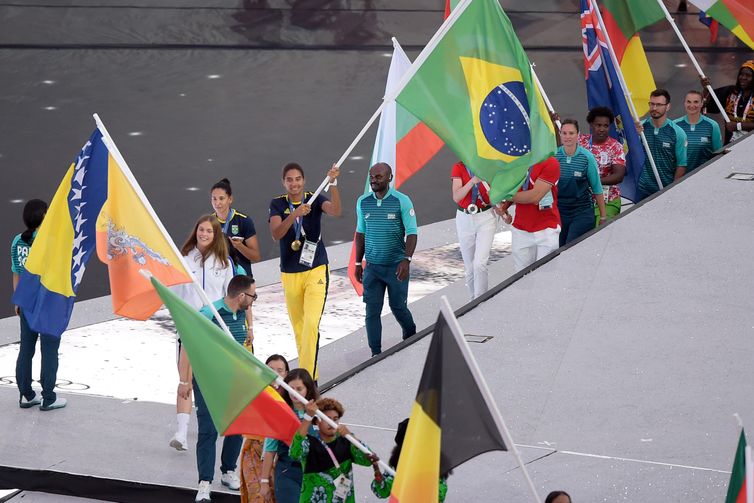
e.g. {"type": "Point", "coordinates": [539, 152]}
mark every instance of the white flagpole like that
{"type": "Point", "coordinates": [474, 368]}
{"type": "Point", "coordinates": [693, 59]}
{"type": "Point", "coordinates": [444, 28]}
{"type": "Point", "coordinates": [113, 149]}
{"type": "Point", "coordinates": [626, 93]}
{"type": "Point", "coordinates": [544, 94]}
{"type": "Point", "coordinates": [322, 417]}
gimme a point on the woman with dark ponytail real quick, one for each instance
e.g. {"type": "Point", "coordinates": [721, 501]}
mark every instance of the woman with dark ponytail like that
{"type": "Point", "coordinates": [237, 227]}
{"type": "Point", "coordinates": [34, 213]}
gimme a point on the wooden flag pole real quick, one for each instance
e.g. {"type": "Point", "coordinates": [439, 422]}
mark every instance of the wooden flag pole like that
{"type": "Point", "coordinates": [463, 345]}
{"type": "Point", "coordinates": [627, 93]}
{"type": "Point", "coordinates": [444, 28]}
{"type": "Point", "coordinates": [693, 59]}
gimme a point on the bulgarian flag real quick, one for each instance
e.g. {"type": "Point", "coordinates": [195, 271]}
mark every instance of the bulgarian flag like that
{"type": "Point", "coordinates": [403, 142]}
{"type": "Point", "coordinates": [736, 15]}
{"type": "Point", "coordinates": [623, 19]}
{"type": "Point", "coordinates": [235, 385]}
{"type": "Point", "coordinates": [741, 485]}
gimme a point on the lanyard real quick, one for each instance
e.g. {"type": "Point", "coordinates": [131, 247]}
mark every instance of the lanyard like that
{"type": "Point", "coordinates": [231, 214]}
{"type": "Point", "coordinates": [528, 179]}
{"type": "Point", "coordinates": [329, 451]}
{"type": "Point", "coordinates": [474, 189]}
{"type": "Point", "coordinates": [746, 108]}
{"type": "Point", "coordinates": [298, 223]}
{"type": "Point", "coordinates": [590, 143]}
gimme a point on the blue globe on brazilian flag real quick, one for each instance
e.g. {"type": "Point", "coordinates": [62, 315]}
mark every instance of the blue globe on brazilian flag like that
{"type": "Point", "coordinates": [474, 89]}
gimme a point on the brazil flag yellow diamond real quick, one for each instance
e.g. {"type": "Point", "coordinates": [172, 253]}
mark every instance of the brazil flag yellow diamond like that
{"type": "Point", "coordinates": [499, 108]}
{"type": "Point", "coordinates": [474, 89]}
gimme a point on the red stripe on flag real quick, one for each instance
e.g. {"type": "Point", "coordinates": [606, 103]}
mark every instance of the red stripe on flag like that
{"type": "Point", "coordinates": [617, 39]}
{"type": "Point", "coordinates": [415, 150]}
{"type": "Point", "coordinates": [266, 416]}
{"type": "Point", "coordinates": [744, 14]}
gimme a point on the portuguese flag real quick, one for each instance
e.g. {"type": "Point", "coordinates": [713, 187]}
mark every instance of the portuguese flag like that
{"type": "Point", "coordinates": [235, 385]}
{"type": "Point", "coordinates": [736, 15]}
{"type": "Point", "coordinates": [623, 19]}
{"type": "Point", "coordinates": [740, 485]}
{"type": "Point", "coordinates": [472, 86]}
{"type": "Point", "coordinates": [451, 420]}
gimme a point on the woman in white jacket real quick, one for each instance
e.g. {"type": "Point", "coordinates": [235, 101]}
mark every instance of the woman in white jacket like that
{"type": "Point", "coordinates": [207, 257]}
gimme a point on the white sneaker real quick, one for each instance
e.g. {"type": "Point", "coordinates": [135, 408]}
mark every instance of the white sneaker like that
{"type": "Point", "coordinates": [202, 495]}
{"type": "Point", "coordinates": [231, 481]}
{"type": "Point", "coordinates": [179, 443]}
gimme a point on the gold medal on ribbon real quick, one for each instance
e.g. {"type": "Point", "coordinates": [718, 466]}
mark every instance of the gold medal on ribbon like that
{"type": "Point", "coordinates": [296, 245]}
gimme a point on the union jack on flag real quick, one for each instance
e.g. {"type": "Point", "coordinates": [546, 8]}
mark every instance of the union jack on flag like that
{"type": "Point", "coordinates": [603, 89]}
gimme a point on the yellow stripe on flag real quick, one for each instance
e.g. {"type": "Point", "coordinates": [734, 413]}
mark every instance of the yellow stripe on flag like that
{"type": "Point", "coordinates": [52, 263]}
{"type": "Point", "coordinates": [743, 36]}
{"type": "Point", "coordinates": [638, 74]}
{"type": "Point", "coordinates": [416, 479]}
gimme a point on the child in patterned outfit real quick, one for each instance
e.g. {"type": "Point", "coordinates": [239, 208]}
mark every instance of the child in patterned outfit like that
{"type": "Point", "coordinates": [327, 460]}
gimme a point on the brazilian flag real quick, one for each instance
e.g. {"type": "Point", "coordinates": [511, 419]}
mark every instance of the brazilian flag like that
{"type": "Point", "coordinates": [474, 89]}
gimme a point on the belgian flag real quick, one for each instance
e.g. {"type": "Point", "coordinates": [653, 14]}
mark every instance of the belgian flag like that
{"type": "Point", "coordinates": [452, 419]}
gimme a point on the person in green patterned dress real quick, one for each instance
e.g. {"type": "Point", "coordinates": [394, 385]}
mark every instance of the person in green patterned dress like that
{"type": "Point", "coordinates": [383, 482]}
{"type": "Point", "coordinates": [327, 461]}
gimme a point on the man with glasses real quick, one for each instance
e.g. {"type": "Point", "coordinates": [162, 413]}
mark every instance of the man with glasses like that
{"type": "Point", "coordinates": [667, 144]}
{"type": "Point", "coordinates": [233, 310]}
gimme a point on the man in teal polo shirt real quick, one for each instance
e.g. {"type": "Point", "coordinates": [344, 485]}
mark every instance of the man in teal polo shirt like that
{"type": "Point", "coordinates": [232, 309]}
{"type": "Point", "coordinates": [667, 143]}
{"type": "Point", "coordinates": [386, 233]}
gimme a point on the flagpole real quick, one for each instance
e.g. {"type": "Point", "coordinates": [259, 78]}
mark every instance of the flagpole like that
{"type": "Point", "coordinates": [627, 93]}
{"type": "Point", "coordinates": [323, 417]}
{"type": "Point", "coordinates": [485, 390]}
{"type": "Point", "coordinates": [113, 149]}
{"type": "Point", "coordinates": [693, 59]}
{"type": "Point", "coordinates": [543, 93]}
{"type": "Point", "coordinates": [444, 28]}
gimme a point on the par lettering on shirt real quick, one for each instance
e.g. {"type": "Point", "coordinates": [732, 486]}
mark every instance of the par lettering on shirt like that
{"type": "Point", "coordinates": [666, 144]}
{"type": "Point", "coordinates": [391, 216]}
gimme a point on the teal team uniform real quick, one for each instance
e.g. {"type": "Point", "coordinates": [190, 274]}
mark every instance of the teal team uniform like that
{"type": "Point", "coordinates": [385, 222]}
{"type": "Point", "coordinates": [19, 252]}
{"type": "Point", "coordinates": [668, 147]}
{"type": "Point", "coordinates": [579, 179]}
{"type": "Point", "coordinates": [236, 320]}
{"type": "Point", "coordinates": [704, 139]}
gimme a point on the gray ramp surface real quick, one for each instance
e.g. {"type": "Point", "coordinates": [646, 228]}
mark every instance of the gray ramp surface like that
{"type": "Point", "coordinates": [624, 358]}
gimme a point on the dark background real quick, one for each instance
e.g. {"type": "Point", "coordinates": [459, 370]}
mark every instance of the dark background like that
{"type": "Point", "coordinates": [195, 91]}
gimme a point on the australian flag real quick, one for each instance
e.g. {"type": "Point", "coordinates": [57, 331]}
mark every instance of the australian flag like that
{"type": "Point", "coordinates": [603, 89]}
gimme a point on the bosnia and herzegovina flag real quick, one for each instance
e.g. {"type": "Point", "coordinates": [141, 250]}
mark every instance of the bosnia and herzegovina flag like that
{"type": "Point", "coordinates": [451, 420]}
{"type": "Point", "coordinates": [130, 238]}
{"type": "Point", "coordinates": [64, 243]}
{"type": "Point", "coordinates": [603, 88]}
{"type": "Point", "coordinates": [623, 20]}
{"type": "Point", "coordinates": [474, 89]}
{"type": "Point", "coordinates": [234, 383]}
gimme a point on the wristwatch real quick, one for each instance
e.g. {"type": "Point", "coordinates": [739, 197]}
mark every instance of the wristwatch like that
{"type": "Point", "coordinates": [408, 258]}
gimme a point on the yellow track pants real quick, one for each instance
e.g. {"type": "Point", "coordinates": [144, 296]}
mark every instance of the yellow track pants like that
{"type": "Point", "coordinates": [305, 296]}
